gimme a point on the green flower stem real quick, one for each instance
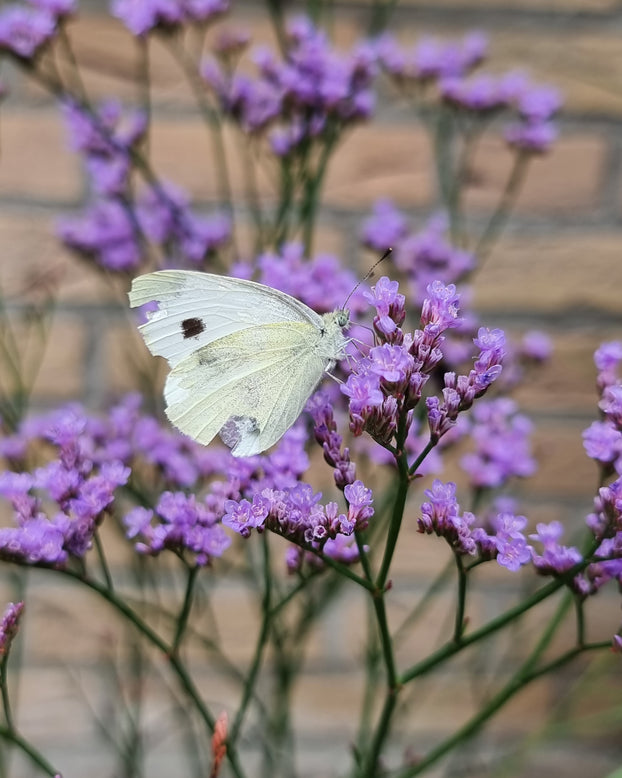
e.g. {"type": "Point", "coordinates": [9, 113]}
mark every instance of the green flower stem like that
{"type": "Point", "coordinates": [174, 661]}
{"type": "Point", "coordinates": [522, 678]}
{"type": "Point", "coordinates": [313, 186]}
{"type": "Point", "coordinates": [212, 119]}
{"type": "Point", "coordinates": [182, 621]}
{"type": "Point", "coordinates": [371, 762]}
{"type": "Point", "coordinates": [99, 549]}
{"type": "Point", "coordinates": [260, 645]}
{"type": "Point", "coordinates": [4, 690]}
{"type": "Point", "coordinates": [462, 591]}
{"type": "Point", "coordinates": [65, 42]}
{"type": "Point", "coordinates": [451, 648]}
{"type": "Point", "coordinates": [11, 736]}
{"type": "Point", "coordinates": [504, 207]}
{"type": "Point", "coordinates": [396, 520]}
{"type": "Point", "coordinates": [415, 465]}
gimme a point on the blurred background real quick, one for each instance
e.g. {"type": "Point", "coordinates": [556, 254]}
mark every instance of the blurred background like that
{"type": "Point", "coordinates": [557, 268]}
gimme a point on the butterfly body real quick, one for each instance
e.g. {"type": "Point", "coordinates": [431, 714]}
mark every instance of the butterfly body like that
{"type": "Point", "coordinates": [244, 357]}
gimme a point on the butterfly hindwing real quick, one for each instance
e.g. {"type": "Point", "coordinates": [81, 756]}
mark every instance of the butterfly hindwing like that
{"type": "Point", "coordinates": [250, 386]}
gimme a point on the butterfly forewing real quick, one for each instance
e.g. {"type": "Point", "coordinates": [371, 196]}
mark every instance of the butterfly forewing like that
{"type": "Point", "coordinates": [195, 309]}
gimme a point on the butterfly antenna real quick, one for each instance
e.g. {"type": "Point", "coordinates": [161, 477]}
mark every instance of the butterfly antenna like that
{"type": "Point", "coordinates": [369, 274]}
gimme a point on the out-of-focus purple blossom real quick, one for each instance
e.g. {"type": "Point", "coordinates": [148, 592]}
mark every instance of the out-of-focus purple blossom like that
{"type": "Point", "coordinates": [104, 233]}
{"type": "Point", "coordinates": [502, 445]}
{"type": "Point", "coordinates": [25, 30]}
{"type": "Point", "coordinates": [611, 404]}
{"type": "Point", "coordinates": [427, 255]}
{"type": "Point", "coordinates": [385, 227]}
{"type": "Point", "coordinates": [9, 625]}
{"type": "Point", "coordinates": [607, 359]}
{"type": "Point", "coordinates": [536, 346]}
{"type": "Point", "coordinates": [182, 524]}
{"type": "Point", "coordinates": [204, 10]}
{"type": "Point", "coordinates": [319, 282]}
{"type": "Point", "coordinates": [142, 16]}
{"type": "Point", "coordinates": [539, 102]}
{"type": "Point", "coordinates": [535, 137]}
{"type": "Point", "coordinates": [603, 442]}
{"type": "Point", "coordinates": [482, 94]}
{"type": "Point", "coordinates": [431, 58]}
{"type": "Point", "coordinates": [616, 644]}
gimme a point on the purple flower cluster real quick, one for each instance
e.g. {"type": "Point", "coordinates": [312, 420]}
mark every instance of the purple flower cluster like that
{"type": "Point", "coordinates": [500, 436]}
{"type": "Point", "coordinates": [182, 524]}
{"type": "Point", "coordinates": [388, 383]}
{"type": "Point", "coordinates": [320, 282]}
{"type": "Point", "coordinates": [606, 524]}
{"type": "Point", "coordinates": [602, 440]}
{"type": "Point", "coordinates": [76, 489]}
{"type": "Point", "coordinates": [9, 625]}
{"type": "Point", "coordinates": [114, 229]}
{"type": "Point", "coordinates": [144, 16]}
{"type": "Point", "coordinates": [325, 429]}
{"type": "Point", "coordinates": [26, 29]}
{"type": "Point", "coordinates": [297, 515]}
{"type": "Point", "coordinates": [430, 59]}
{"type": "Point", "coordinates": [311, 91]}
{"type": "Point", "coordinates": [441, 515]}
{"type": "Point", "coordinates": [448, 66]}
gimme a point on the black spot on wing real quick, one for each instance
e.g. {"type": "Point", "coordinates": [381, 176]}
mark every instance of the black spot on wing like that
{"type": "Point", "coordinates": [192, 327]}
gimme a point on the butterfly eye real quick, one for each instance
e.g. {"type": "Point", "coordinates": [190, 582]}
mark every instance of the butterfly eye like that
{"type": "Point", "coordinates": [343, 317]}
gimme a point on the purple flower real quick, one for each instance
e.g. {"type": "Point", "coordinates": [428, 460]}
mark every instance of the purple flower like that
{"type": "Point", "coordinates": [58, 8]}
{"type": "Point", "coordinates": [392, 364]}
{"type": "Point", "coordinates": [24, 30]}
{"type": "Point", "coordinates": [104, 233]}
{"type": "Point", "coordinates": [534, 137]}
{"type": "Point", "coordinates": [385, 227]}
{"type": "Point", "coordinates": [502, 445]}
{"type": "Point", "coordinates": [512, 549]}
{"type": "Point", "coordinates": [243, 516]}
{"type": "Point", "coordinates": [9, 625]}
{"type": "Point", "coordinates": [555, 558]}
{"type": "Point", "coordinates": [536, 346]}
{"type": "Point", "coordinates": [325, 430]}
{"type": "Point", "coordinates": [538, 103]}
{"type": "Point", "coordinates": [142, 16]}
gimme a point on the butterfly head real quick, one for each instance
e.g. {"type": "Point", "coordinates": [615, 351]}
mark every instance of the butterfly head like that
{"type": "Point", "coordinates": [342, 317]}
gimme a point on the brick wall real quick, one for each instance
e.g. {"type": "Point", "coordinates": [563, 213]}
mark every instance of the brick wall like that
{"type": "Point", "coordinates": [558, 268]}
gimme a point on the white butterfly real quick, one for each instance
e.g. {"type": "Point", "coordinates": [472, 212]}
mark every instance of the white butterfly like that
{"type": "Point", "coordinates": [244, 357]}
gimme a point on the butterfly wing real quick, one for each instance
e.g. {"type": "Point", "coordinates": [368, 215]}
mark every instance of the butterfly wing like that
{"type": "Point", "coordinates": [195, 309]}
{"type": "Point", "coordinates": [250, 386]}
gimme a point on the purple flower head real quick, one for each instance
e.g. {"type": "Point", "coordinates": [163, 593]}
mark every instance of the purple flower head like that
{"type": "Point", "coordinates": [142, 16]}
{"type": "Point", "coordinates": [611, 404]}
{"type": "Point", "coordinates": [359, 504]}
{"type": "Point", "coordinates": [231, 40]}
{"type": "Point", "coordinates": [607, 359]}
{"type": "Point", "coordinates": [441, 515]}
{"type": "Point", "coordinates": [319, 282]}
{"type": "Point", "coordinates": [535, 137]}
{"type": "Point", "coordinates": [479, 94]}
{"type": "Point", "coordinates": [243, 516]}
{"type": "Point", "coordinates": [106, 234]}
{"type": "Point", "coordinates": [603, 441]}
{"type": "Point", "coordinates": [390, 311]}
{"type": "Point", "coordinates": [440, 307]}
{"type": "Point", "coordinates": [501, 438]}
{"type": "Point", "coordinates": [555, 558]}
{"type": "Point", "coordinates": [363, 391]}
{"type": "Point", "coordinates": [392, 364]}
{"type": "Point", "coordinates": [538, 103]}
{"type": "Point", "coordinates": [24, 30]}
{"type": "Point", "coordinates": [512, 549]}
{"type": "Point", "coordinates": [325, 430]}
{"type": "Point", "coordinates": [204, 10]}
{"type": "Point", "coordinates": [9, 625]}
{"type": "Point", "coordinates": [385, 227]}
{"type": "Point", "coordinates": [536, 346]}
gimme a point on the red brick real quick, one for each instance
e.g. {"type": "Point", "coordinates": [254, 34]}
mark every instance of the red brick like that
{"type": "Point", "coordinates": [566, 180]}
{"type": "Point", "coordinates": [558, 272]}
{"type": "Point", "coordinates": [36, 161]}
